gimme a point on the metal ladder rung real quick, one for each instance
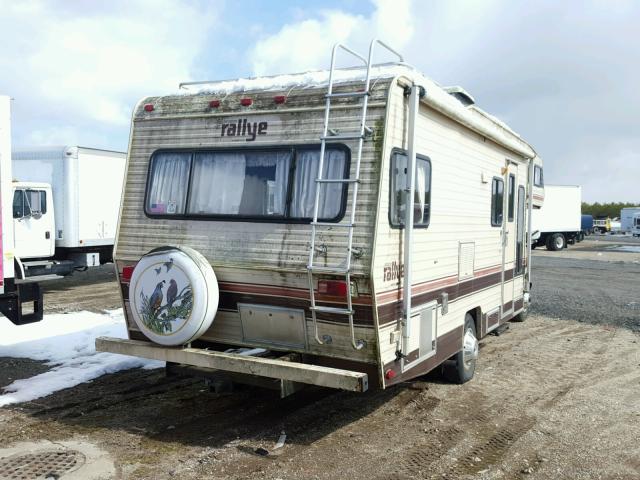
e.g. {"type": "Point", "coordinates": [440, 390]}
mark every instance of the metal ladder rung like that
{"type": "Point", "coordinates": [339, 311]}
{"type": "Point", "coordinates": [346, 94]}
{"type": "Point", "coordinates": [335, 138]}
{"type": "Point", "coordinates": [337, 180]}
{"type": "Point", "coordinates": [330, 224]}
{"type": "Point", "coordinates": [328, 270]}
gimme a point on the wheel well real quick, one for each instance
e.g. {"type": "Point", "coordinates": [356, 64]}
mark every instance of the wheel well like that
{"type": "Point", "coordinates": [476, 313]}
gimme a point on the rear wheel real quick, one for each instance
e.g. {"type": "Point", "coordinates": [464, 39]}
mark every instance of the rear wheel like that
{"type": "Point", "coordinates": [556, 242]}
{"type": "Point", "coordinates": [462, 365]}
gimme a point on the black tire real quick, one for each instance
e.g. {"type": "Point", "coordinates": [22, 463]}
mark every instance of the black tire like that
{"type": "Point", "coordinates": [556, 242]}
{"type": "Point", "coordinates": [461, 367]}
{"type": "Point", "coordinates": [580, 237]}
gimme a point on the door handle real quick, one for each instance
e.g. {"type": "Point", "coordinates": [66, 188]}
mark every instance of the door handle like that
{"type": "Point", "coordinates": [47, 235]}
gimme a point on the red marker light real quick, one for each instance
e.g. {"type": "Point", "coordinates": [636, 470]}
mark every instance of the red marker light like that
{"type": "Point", "coordinates": [333, 287]}
{"type": "Point", "coordinates": [279, 99]}
{"type": "Point", "coordinates": [389, 374]}
{"type": "Point", "coordinates": [148, 107]}
{"type": "Point", "coordinates": [245, 102]}
{"type": "Point", "coordinates": [214, 103]}
{"type": "Point", "coordinates": [127, 272]}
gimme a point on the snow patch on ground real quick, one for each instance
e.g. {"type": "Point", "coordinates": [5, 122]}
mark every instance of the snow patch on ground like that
{"type": "Point", "coordinates": [624, 248]}
{"type": "Point", "coordinates": [66, 342]}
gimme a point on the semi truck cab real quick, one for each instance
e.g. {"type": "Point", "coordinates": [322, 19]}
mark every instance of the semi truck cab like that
{"type": "Point", "coordinates": [33, 220]}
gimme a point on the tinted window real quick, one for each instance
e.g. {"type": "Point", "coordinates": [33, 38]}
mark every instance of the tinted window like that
{"type": "Point", "coordinates": [422, 194]}
{"type": "Point", "coordinates": [29, 202]}
{"type": "Point", "coordinates": [497, 199]}
{"type": "Point", "coordinates": [512, 194]}
{"type": "Point", "coordinates": [520, 232]}
{"type": "Point", "coordinates": [18, 204]}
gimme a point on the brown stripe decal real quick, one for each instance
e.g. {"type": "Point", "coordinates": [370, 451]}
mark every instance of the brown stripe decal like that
{"type": "Point", "coordinates": [390, 312]}
{"type": "Point", "coordinates": [518, 304]}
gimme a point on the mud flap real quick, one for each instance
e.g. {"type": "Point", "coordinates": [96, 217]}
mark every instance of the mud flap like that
{"type": "Point", "coordinates": [11, 304]}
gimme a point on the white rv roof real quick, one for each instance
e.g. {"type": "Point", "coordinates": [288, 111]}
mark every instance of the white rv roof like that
{"type": "Point", "coordinates": [436, 96]}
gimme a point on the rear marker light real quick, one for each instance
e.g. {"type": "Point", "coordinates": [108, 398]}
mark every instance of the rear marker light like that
{"type": "Point", "coordinates": [332, 287]}
{"type": "Point", "coordinates": [214, 103]}
{"type": "Point", "coordinates": [279, 99]}
{"type": "Point", "coordinates": [245, 102]}
{"type": "Point", "coordinates": [389, 374]}
{"type": "Point", "coordinates": [127, 272]}
{"type": "Point", "coordinates": [148, 107]}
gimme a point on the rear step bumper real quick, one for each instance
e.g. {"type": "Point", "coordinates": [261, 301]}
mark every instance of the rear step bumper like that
{"type": "Point", "coordinates": [231, 362]}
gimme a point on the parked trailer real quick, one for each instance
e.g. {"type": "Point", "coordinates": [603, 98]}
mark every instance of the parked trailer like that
{"type": "Point", "coordinates": [627, 219]}
{"type": "Point", "coordinates": [86, 186]}
{"type": "Point", "coordinates": [270, 213]}
{"type": "Point", "coordinates": [16, 292]}
{"type": "Point", "coordinates": [559, 222]}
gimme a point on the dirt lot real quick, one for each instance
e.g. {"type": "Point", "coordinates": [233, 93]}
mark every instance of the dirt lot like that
{"type": "Point", "coordinates": [557, 396]}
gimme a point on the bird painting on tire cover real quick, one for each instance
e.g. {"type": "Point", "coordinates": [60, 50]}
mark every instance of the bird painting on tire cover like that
{"type": "Point", "coordinates": [163, 312]}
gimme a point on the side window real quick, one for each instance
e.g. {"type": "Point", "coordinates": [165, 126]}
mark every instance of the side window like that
{"type": "Point", "coordinates": [18, 204]}
{"type": "Point", "coordinates": [422, 195]}
{"type": "Point", "coordinates": [168, 182]}
{"type": "Point", "coordinates": [497, 199]}
{"type": "Point", "coordinates": [538, 179]}
{"type": "Point", "coordinates": [36, 201]}
{"type": "Point", "coordinates": [512, 196]}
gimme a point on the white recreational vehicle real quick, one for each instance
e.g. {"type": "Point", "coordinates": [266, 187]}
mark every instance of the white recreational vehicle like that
{"type": "Point", "coordinates": [272, 213]}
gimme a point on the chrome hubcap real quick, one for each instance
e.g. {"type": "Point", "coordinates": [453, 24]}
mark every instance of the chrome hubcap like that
{"type": "Point", "coordinates": [559, 243]}
{"type": "Point", "coordinates": [469, 348]}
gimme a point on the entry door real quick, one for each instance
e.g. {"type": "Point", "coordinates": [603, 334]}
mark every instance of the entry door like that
{"type": "Point", "coordinates": [509, 236]}
{"type": "Point", "coordinates": [33, 223]}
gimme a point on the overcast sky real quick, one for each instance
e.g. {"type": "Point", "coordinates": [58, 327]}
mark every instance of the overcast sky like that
{"type": "Point", "coordinates": [565, 75]}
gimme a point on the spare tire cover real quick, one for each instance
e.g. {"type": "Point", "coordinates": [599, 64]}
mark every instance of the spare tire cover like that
{"type": "Point", "coordinates": [173, 295]}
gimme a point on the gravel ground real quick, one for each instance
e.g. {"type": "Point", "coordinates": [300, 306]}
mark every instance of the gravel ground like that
{"type": "Point", "coordinates": [553, 397]}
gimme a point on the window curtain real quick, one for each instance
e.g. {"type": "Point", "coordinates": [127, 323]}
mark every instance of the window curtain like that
{"type": "Point", "coordinates": [421, 213]}
{"type": "Point", "coordinates": [218, 183]}
{"type": "Point", "coordinates": [304, 185]}
{"type": "Point", "coordinates": [169, 183]}
{"type": "Point", "coordinates": [222, 186]}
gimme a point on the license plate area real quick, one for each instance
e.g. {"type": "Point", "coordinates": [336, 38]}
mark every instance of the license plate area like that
{"type": "Point", "coordinates": [273, 326]}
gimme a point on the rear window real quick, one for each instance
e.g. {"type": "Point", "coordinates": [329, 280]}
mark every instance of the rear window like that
{"type": "Point", "coordinates": [269, 184]}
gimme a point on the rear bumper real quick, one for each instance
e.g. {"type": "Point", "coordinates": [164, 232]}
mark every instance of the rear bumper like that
{"type": "Point", "coordinates": [230, 362]}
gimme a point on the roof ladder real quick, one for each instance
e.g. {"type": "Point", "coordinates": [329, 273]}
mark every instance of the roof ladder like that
{"type": "Point", "coordinates": [330, 135]}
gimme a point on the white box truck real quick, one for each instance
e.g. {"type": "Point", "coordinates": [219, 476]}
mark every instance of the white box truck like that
{"type": "Point", "coordinates": [558, 222]}
{"type": "Point", "coordinates": [630, 220]}
{"type": "Point", "coordinates": [85, 188]}
{"type": "Point", "coordinates": [15, 291]}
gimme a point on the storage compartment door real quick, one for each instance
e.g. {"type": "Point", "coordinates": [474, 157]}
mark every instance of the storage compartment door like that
{"type": "Point", "coordinates": [423, 336]}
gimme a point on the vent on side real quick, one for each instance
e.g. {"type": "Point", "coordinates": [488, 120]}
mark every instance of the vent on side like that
{"type": "Point", "coordinates": [466, 260]}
